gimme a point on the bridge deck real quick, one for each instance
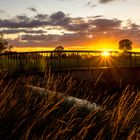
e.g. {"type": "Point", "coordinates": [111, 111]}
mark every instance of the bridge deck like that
{"type": "Point", "coordinates": [67, 60]}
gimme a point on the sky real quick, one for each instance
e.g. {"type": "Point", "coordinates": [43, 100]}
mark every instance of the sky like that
{"type": "Point", "coordinates": [73, 24]}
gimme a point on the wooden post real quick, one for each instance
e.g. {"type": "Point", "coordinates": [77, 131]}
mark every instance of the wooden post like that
{"type": "Point", "coordinates": [130, 57]}
{"type": "Point", "coordinates": [77, 57]}
{"type": "Point", "coordinates": [59, 57]}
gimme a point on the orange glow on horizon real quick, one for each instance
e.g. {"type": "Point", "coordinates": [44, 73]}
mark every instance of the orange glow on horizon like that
{"type": "Point", "coordinates": [102, 45]}
{"type": "Point", "coordinates": [105, 45]}
{"type": "Point", "coordinates": [93, 45]}
{"type": "Point", "coordinates": [31, 49]}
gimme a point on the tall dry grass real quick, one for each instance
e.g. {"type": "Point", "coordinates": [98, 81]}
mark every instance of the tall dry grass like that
{"type": "Point", "coordinates": [28, 116]}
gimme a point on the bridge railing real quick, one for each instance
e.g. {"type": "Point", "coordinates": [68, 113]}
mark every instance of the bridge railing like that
{"type": "Point", "coordinates": [66, 60]}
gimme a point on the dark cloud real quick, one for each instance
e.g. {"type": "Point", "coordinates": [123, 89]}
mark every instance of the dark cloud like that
{"type": "Point", "coordinates": [32, 9]}
{"type": "Point", "coordinates": [33, 37]}
{"type": "Point", "coordinates": [21, 24]}
{"type": "Point", "coordinates": [98, 16]}
{"type": "Point", "coordinates": [59, 19]}
{"type": "Point", "coordinates": [75, 30]}
{"type": "Point", "coordinates": [57, 15]}
{"type": "Point", "coordinates": [54, 39]}
{"type": "Point", "coordinates": [99, 24]}
{"type": "Point", "coordinates": [106, 24]}
{"type": "Point", "coordinates": [15, 31]}
{"type": "Point", "coordinates": [78, 27]}
{"type": "Point", "coordinates": [39, 40]}
{"type": "Point", "coordinates": [41, 16]}
{"type": "Point", "coordinates": [107, 1]}
{"type": "Point", "coordinates": [91, 4]}
{"type": "Point", "coordinates": [75, 38]}
{"type": "Point", "coordinates": [40, 20]}
{"type": "Point", "coordinates": [22, 17]}
{"type": "Point", "coordinates": [44, 38]}
{"type": "Point", "coordinates": [81, 38]}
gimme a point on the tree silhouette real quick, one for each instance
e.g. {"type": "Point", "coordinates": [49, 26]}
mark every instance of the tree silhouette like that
{"type": "Point", "coordinates": [125, 45]}
{"type": "Point", "coordinates": [59, 48]}
{"type": "Point", "coordinates": [59, 52]}
{"type": "Point", "coordinates": [3, 43]}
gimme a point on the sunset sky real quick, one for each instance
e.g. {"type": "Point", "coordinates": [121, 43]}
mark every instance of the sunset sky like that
{"type": "Point", "coordinates": [74, 24]}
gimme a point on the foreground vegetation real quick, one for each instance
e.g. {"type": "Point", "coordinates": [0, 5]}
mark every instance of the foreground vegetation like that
{"type": "Point", "coordinates": [28, 116]}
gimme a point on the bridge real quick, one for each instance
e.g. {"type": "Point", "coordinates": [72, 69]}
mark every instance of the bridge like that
{"type": "Point", "coordinates": [67, 61]}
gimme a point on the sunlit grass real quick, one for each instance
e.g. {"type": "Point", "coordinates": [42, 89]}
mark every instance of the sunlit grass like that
{"type": "Point", "coordinates": [25, 115]}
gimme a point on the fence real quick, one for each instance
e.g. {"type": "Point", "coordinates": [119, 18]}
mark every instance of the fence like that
{"type": "Point", "coordinates": [66, 60]}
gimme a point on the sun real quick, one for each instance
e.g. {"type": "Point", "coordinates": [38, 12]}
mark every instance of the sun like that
{"type": "Point", "coordinates": [105, 54]}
